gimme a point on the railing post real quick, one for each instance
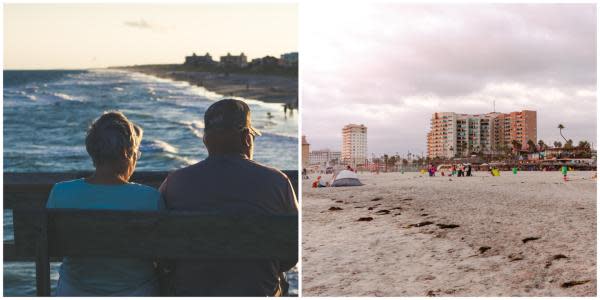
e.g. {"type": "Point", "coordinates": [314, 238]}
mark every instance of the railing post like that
{"type": "Point", "coordinates": [42, 260]}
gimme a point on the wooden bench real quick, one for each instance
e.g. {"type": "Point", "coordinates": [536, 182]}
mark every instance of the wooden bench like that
{"type": "Point", "coordinates": [44, 235]}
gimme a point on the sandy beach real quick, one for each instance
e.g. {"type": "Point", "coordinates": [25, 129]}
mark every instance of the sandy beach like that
{"type": "Point", "coordinates": [529, 234]}
{"type": "Point", "coordinates": [267, 88]}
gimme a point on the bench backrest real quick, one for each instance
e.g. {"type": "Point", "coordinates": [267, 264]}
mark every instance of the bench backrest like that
{"type": "Point", "coordinates": [43, 234]}
{"type": "Point", "coordinates": [89, 233]}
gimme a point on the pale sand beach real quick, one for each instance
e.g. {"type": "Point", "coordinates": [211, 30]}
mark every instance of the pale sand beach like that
{"type": "Point", "coordinates": [529, 234]}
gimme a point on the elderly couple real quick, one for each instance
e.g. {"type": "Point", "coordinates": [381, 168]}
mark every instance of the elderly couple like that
{"type": "Point", "coordinates": [113, 143]}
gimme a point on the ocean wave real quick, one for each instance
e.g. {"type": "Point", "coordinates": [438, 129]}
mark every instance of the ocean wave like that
{"type": "Point", "coordinates": [120, 89]}
{"type": "Point", "coordinates": [195, 126]}
{"type": "Point", "coordinates": [281, 136]}
{"type": "Point", "coordinates": [157, 146]}
{"type": "Point", "coordinates": [186, 161]}
{"type": "Point", "coordinates": [65, 97]}
{"type": "Point", "coordinates": [48, 151]}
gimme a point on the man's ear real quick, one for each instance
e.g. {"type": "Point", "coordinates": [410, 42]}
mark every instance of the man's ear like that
{"type": "Point", "coordinates": [246, 139]}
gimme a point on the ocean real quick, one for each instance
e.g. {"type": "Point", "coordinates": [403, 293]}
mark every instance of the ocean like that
{"type": "Point", "coordinates": [46, 114]}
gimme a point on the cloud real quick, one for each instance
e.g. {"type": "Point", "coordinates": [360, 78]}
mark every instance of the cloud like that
{"type": "Point", "coordinates": [390, 66]}
{"type": "Point", "coordinates": [142, 24]}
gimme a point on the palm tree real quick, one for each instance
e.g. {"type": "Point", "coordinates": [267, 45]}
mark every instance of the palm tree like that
{"type": "Point", "coordinates": [569, 144]}
{"type": "Point", "coordinates": [542, 145]}
{"type": "Point", "coordinates": [585, 145]}
{"type": "Point", "coordinates": [385, 161]}
{"type": "Point", "coordinates": [516, 145]}
{"type": "Point", "coordinates": [557, 144]}
{"type": "Point", "coordinates": [531, 146]}
{"type": "Point", "coordinates": [560, 128]}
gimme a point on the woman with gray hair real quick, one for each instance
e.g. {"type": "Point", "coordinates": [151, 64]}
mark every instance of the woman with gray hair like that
{"type": "Point", "coordinates": [113, 143]}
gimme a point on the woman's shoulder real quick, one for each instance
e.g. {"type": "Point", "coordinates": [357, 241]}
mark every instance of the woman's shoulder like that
{"type": "Point", "coordinates": [69, 184]}
{"type": "Point", "coordinates": [145, 193]}
{"type": "Point", "coordinates": [141, 188]}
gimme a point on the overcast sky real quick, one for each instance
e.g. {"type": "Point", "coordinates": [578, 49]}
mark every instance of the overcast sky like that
{"type": "Point", "coordinates": [67, 36]}
{"type": "Point", "coordinates": [390, 66]}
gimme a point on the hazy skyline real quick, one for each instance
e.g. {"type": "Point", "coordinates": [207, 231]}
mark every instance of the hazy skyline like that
{"type": "Point", "coordinates": [391, 66]}
{"type": "Point", "coordinates": [75, 36]}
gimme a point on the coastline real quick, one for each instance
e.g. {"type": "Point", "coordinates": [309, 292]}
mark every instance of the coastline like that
{"type": "Point", "coordinates": [264, 87]}
{"type": "Point", "coordinates": [529, 234]}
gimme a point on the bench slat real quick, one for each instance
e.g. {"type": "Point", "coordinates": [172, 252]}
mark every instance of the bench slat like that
{"type": "Point", "coordinates": [88, 233]}
{"type": "Point", "coordinates": [31, 190]}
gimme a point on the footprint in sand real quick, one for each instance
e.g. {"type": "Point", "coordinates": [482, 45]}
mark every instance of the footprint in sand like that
{"type": "Point", "coordinates": [515, 257]}
{"type": "Point", "coordinates": [376, 199]}
{"type": "Point", "coordinates": [365, 219]}
{"type": "Point", "coordinates": [383, 212]}
{"type": "Point", "coordinates": [447, 226]}
{"type": "Point", "coordinates": [419, 224]}
{"type": "Point", "coordinates": [555, 257]}
{"type": "Point", "coordinates": [483, 249]}
{"type": "Point", "coordinates": [334, 208]}
{"type": "Point", "coordinates": [525, 240]}
{"type": "Point", "coordinates": [569, 284]}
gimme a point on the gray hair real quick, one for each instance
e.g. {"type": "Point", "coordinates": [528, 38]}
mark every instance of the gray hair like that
{"type": "Point", "coordinates": [112, 138]}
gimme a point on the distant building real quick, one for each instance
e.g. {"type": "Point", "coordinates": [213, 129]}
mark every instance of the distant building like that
{"type": "Point", "coordinates": [519, 126]}
{"type": "Point", "coordinates": [195, 60]}
{"type": "Point", "coordinates": [354, 144]}
{"type": "Point", "coordinates": [305, 151]}
{"type": "Point", "coordinates": [455, 134]}
{"type": "Point", "coordinates": [267, 61]}
{"type": "Point", "coordinates": [238, 61]}
{"type": "Point", "coordinates": [324, 157]}
{"type": "Point", "coordinates": [289, 59]}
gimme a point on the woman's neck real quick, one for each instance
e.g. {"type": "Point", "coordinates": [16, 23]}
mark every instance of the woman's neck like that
{"type": "Point", "coordinates": [104, 176]}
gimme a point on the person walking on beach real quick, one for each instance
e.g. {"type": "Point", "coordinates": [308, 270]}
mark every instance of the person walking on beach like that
{"type": "Point", "coordinates": [564, 169]}
{"type": "Point", "coordinates": [229, 182]}
{"type": "Point", "coordinates": [113, 144]}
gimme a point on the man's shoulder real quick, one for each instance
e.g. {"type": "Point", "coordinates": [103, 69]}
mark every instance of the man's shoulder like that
{"type": "Point", "coordinates": [247, 168]}
{"type": "Point", "coordinates": [265, 170]}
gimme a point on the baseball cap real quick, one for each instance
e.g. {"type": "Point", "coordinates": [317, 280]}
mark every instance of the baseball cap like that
{"type": "Point", "coordinates": [229, 114]}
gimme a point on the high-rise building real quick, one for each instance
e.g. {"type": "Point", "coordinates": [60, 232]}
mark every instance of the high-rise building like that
{"type": "Point", "coordinates": [354, 144]}
{"type": "Point", "coordinates": [305, 151]}
{"type": "Point", "coordinates": [455, 134]}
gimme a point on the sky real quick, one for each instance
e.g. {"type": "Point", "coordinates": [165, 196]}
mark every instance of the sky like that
{"type": "Point", "coordinates": [76, 36]}
{"type": "Point", "coordinates": [391, 66]}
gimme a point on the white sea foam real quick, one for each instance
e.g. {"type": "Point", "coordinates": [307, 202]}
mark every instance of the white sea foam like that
{"type": "Point", "coordinates": [65, 96]}
{"type": "Point", "coordinates": [185, 160]}
{"type": "Point", "coordinates": [197, 128]}
{"type": "Point", "coordinates": [158, 146]}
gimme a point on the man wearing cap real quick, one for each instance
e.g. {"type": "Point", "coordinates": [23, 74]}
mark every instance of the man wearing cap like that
{"type": "Point", "coordinates": [229, 182]}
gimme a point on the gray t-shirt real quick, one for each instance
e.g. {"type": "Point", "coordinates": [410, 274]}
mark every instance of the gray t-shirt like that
{"type": "Point", "coordinates": [229, 184]}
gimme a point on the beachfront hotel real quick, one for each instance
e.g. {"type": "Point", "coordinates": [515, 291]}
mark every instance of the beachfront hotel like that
{"type": "Point", "coordinates": [324, 157]}
{"type": "Point", "coordinates": [229, 60]}
{"type": "Point", "coordinates": [354, 144]}
{"type": "Point", "coordinates": [455, 134]}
